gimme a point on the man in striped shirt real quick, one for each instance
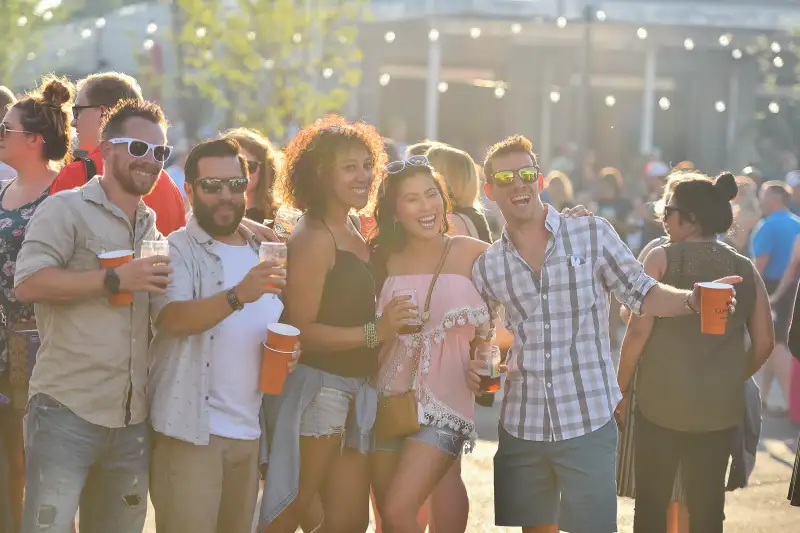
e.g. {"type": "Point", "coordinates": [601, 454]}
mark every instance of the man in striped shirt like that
{"type": "Point", "coordinates": [555, 464]}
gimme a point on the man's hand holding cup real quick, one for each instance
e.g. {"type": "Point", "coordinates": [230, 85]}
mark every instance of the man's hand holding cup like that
{"type": "Point", "coordinates": [147, 274]}
{"type": "Point", "coordinates": [265, 278]}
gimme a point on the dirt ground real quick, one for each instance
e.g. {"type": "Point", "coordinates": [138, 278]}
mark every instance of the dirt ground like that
{"type": "Point", "coordinates": [761, 508]}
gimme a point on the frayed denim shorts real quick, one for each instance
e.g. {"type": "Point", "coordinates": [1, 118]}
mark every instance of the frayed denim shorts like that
{"type": "Point", "coordinates": [449, 441]}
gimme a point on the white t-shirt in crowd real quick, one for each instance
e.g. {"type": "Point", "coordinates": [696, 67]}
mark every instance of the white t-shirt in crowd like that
{"type": "Point", "coordinates": [234, 395]}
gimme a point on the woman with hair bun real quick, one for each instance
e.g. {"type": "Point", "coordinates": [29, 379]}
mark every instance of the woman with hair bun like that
{"type": "Point", "coordinates": [690, 388]}
{"type": "Point", "coordinates": [35, 139]}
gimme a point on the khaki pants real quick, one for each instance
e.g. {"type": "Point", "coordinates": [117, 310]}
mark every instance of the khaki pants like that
{"type": "Point", "coordinates": [204, 489]}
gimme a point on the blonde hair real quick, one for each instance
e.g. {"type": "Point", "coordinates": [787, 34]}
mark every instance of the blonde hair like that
{"type": "Point", "coordinates": [459, 173]}
{"type": "Point", "coordinates": [563, 179]}
{"type": "Point", "coordinates": [747, 199]}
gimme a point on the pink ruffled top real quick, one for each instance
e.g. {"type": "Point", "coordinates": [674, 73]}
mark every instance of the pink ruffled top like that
{"type": "Point", "coordinates": [435, 362]}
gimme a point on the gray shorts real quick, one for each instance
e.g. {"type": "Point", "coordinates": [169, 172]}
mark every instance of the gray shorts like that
{"type": "Point", "coordinates": [570, 483]}
{"type": "Point", "coordinates": [447, 440]}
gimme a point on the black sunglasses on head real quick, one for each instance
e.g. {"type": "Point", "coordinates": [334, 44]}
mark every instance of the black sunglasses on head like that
{"type": "Point", "coordinates": [253, 166]}
{"type": "Point", "coordinates": [215, 185]}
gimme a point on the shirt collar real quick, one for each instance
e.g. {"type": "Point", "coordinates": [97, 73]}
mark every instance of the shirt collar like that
{"type": "Point", "coordinates": [93, 191]}
{"type": "Point", "coordinates": [552, 222]}
{"type": "Point", "coordinates": [205, 240]}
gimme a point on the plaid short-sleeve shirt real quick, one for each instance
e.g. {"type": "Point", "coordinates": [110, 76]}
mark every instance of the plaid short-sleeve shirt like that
{"type": "Point", "coordinates": [561, 382]}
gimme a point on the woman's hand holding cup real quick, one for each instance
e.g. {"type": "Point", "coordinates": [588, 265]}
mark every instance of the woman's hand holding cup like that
{"type": "Point", "coordinates": [399, 312]}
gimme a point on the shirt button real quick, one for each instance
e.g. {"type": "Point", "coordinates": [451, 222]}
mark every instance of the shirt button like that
{"type": "Point", "coordinates": [212, 337]}
{"type": "Point", "coordinates": [547, 356]}
{"type": "Point", "coordinates": [549, 386]}
{"type": "Point", "coordinates": [208, 365]}
{"type": "Point", "coordinates": [544, 297]}
{"type": "Point", "coordinates": [219, 283]}
{"type": "Point", "coordinates": [547, 326]}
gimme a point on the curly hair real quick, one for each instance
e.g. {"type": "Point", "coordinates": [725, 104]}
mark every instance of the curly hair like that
{"type": "Point", "coordinates": [270, 162]}
{"type": "Point", "coordinates": [48, 111]}
{"type": "Point", "coordinates": [509, 145]}
{"type": "Point", "coordinates": [310, 156]}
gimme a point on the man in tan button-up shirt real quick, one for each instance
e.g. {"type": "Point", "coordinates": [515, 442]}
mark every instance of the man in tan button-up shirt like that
{"type": "Point", "coordinates": [87, 409]}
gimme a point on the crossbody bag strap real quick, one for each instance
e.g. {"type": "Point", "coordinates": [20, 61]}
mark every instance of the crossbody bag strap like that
{"type": "Point", "coordinates": [426, 309]}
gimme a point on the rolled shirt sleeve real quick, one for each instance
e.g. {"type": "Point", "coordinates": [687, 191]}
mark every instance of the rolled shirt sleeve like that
{"type": "Point", "coordinates": [49, 239]}
{"type": "Point", "coordinates": [620, 271]}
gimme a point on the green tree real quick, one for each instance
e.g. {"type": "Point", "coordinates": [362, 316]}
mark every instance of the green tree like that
{"type": "Point", "coordinates": [20, 25]}
{"type": "Point", "coordinates": [272, 63]}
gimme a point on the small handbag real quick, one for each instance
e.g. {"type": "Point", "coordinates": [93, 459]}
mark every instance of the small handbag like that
{"type": "Point", "coordinates": [399, 415]}
{"type": "Point", "coordinates": [23, 344]}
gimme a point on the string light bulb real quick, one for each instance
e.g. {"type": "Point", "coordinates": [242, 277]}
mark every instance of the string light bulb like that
{"type": "Point", "coordinates": [561, 22]}
{"type": "Point", "coordinates": [47, 16]}
{"type": "Point", "coordinates": [641, 33]}
{"type": "Point", "coordinates": [148, 44]}
{"type": "Point", "coordinates": [664, 103]}
{"type": "Point", "coordinates": [474, 32]}
{"type": "Point", "coordinates": [611, 101]}
{"type": "Point", "coordinates": [499, 92]}
{"type": "Point", "coordinates": [86, 33]}
{"type": "Point", "coordinates": [22, 21]}
{"type": "Point", "coordinates": [385, 79]}
{"type": "Point", "coordinates": [389, 37]}
{"type": "Point", "coordinates": [433, 35]}
{"type": "Point", "coordinates": [443, 86]}
{"type": "Point", "coordinates": [601, 15]}
{"type": "Point", "coordinates": [100, 23]}
{"type": "Point", "coordinates": [724, 39]}
{"type": "Point", "coordinates": [297, 38]}
{"type": "Point", "coordinates": [269, 63]}
{"type": "Point", "coordinates": [555, 96]}
{"type": "Point", "coordinates": [200, 32]}
{"type": "Point", "coordinates": [688, 43]}
{"type": "Point", "coordinates": [778, 62]}
{"type": "Point", "coordinates": [774, 108]}
{"type": "Point", "coordinates": [719, 106]}
{"type": "Point", "coordinates": [736, 53]}
{"type": "Point", "coordinates": [152, 28]}
{"type": "Point", "coordinates": [516, 28]}
{"type": "Point", "coordinates": [775, 47]}
{"type": "Point", "coordinates": [327, 72]}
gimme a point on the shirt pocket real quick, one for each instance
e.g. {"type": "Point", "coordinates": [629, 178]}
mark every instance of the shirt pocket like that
{"type": "Point", "coordinates": [85, 256]}
{"type": "Point", "coordinates": [571, 284]}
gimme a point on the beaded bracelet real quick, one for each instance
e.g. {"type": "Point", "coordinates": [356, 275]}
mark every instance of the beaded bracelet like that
{"type": "Point", "coordinates": [371, 335]}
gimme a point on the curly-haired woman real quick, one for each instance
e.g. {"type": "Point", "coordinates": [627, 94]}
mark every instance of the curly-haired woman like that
{"type": "Point", "coordinates": [322, 421]}
{"type": "Point", "coordinates": [263, 162]}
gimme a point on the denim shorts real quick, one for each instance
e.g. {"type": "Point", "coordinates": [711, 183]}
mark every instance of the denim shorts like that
{"type": "Point", "coordinates": [326, 415]}
{"type": "Point", "coordinates": [449, 441]}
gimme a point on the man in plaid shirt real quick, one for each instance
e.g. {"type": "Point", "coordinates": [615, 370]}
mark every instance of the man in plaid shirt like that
{"type": "Point", "coordinates": [555, 464]}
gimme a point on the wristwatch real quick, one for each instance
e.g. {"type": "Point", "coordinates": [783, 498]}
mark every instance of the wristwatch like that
{"type": "Point", "coordinates": [111, 281]}
{"type": "Point", "coordinates": [233, 300]}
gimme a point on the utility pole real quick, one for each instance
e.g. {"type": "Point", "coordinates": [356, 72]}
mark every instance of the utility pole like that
{"type": "Point", "coordinates": [584, 92]}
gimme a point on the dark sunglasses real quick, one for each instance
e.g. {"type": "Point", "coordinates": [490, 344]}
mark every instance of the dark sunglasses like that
{"type": "Point", "coordinates": [215, 185]}
{"type": "Point", "coordinates": [77, 109]}
{"type": "Point", "coordinates": [252, 166]}
{"type": "Point", "coordinates": [669, 209]}
{"type": "Point", "coordinates": [138, 149]}
{"type": "Point", "coordinates": [5, 130]}
{"type": "Point", "coordinates": [505, 178]}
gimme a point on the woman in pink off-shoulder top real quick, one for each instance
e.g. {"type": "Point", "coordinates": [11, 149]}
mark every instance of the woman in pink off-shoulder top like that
{"type": "Point", "coordinates": [410, 241]}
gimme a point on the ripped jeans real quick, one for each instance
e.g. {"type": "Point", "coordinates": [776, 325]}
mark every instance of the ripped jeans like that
{"type": "Point", "coordinates": [71, 462]}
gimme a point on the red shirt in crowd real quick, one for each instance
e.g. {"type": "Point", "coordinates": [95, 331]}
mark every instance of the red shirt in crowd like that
{"type": "Point", "coordinates": [165, 198]}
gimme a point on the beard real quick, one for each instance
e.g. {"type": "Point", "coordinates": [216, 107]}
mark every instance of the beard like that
{"type": "Point", "coordinates": [205, 217]}
{"type": "Point", "coordinates": [133, 185]}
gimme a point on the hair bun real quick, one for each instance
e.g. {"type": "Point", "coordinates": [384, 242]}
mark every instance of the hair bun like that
{"type": "Point", "coordinates": [726, 186]}
{"type": "Point", "coordinates": [57, 92]}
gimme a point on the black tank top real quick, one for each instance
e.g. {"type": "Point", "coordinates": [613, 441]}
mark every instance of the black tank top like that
{"type": "Point", "coordinates": [348, 300]}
